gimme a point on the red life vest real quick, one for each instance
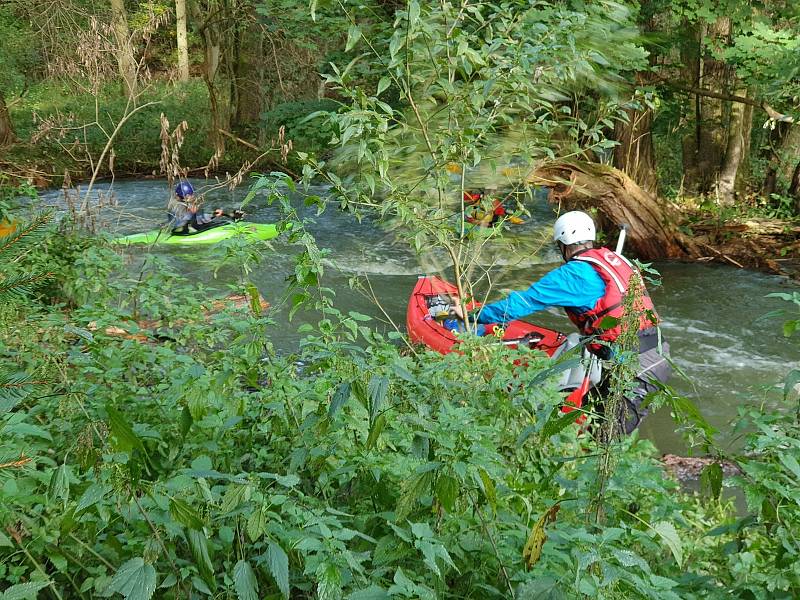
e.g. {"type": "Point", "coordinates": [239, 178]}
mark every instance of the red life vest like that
{"type": "Point", "coordinates": [615, 271]}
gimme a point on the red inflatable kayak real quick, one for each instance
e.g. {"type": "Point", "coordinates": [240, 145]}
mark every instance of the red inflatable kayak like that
{"type": "Point", "coordinates": [423, 328]}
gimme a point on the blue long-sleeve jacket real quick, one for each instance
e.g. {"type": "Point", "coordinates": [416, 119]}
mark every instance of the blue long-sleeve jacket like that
{"type": "Point", "coordinates": [573, 285]}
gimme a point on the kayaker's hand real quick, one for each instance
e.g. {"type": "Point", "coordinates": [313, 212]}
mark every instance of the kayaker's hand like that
{"type": "Point", "coordinates": [218, 212]}
{"type": "Point", "coordinates": [457, 310]}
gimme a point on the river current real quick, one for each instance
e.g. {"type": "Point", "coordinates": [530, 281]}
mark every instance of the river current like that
{"type": "Point", "coordinates": [712, 314]}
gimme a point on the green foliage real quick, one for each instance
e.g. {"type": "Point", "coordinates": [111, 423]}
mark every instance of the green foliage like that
{"type": "Point", "coordinates": [305, 122]}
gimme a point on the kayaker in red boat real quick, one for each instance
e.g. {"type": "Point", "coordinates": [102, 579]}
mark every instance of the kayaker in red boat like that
{"type": "Point", "coordinates": [590, 287]}
{"type": "Point", "coordinates": [476, 215]}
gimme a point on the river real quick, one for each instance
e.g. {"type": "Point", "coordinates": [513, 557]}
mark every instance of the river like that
{"type": "Point", "coordinates": [711, 313]}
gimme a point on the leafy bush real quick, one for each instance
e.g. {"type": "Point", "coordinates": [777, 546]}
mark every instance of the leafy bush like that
{"type": "Point", "coordinates": [309, 132]}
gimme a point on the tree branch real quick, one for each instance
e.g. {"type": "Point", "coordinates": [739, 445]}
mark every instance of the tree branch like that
{"type": "Point", "coordinates": [773, 114]}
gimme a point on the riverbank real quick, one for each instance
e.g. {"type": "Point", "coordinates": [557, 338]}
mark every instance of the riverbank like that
{"type": "Point", "coordinates": [770, 245]}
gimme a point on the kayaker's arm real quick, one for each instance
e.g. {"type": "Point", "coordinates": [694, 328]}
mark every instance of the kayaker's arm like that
{"type": "Point", "coordinates": [574, 284]}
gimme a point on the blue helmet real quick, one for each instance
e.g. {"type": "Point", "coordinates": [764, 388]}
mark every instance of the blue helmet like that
{"type": "Point", "coordinates": [183, 189]}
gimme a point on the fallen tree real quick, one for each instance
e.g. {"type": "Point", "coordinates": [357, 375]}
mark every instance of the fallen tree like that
{"type": "Point", "coordinates": [617, 199]}
{"type": "Point", "coordinates": [658, 230]}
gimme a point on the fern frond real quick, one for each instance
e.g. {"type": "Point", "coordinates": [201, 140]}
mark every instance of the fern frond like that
{"type": "Point", "coordinates": [14, 387]}
{"type": "Point", "coordinates": [26, 235]}
{"type": "Point", "coordinates": [15, 287]}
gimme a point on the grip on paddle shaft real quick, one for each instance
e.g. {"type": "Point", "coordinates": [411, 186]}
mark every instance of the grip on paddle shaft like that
{"type": "Point", "coordinates": [623, 232]}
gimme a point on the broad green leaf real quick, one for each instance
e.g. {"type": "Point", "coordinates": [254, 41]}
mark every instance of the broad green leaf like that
{"type": "Point", "coordinates": [199, 547]}
{"type": "Point", "coordinates": [488, 488]}
{"type": "Point", "coordinates": [447, 491]}
{"type": "Point", "coordinates": [278, 565]}
{"type": "Point", "coordinates": [382, 85]}
{"type": "Point", "coordinates": [59, 485]}
{"type": "Point", "coordinates": [557, 422]}
{"type": "Point", "coordinates": [413, 488]}
{"type": "Point", "coordinates": [375, 431]}
{"type": "Point", "coordinates": [711, 479]}
{"type": "Point", "coordinates": [353, 35]}
{"type": "Point", "coordinates": [666, 531]}
{"type": "Point", "coordinates": [339, 398]}
{"type": "Point", "coordinates": [329, 582]}
{"type": "Point", "coordinates": [244, 581]}
{"type": "Point", "coordinates": [790, 462]}
{"type": "Point", "coordinates": [376, 389]}
{"type": "Point", "coordinates": [124, 436]}
{"type": "Point", "coordinates": [5, 541]}
{"type": "Point", "coordinates": [93, 494]}
{"type": "Point", "coordinates": [257, 523]}
{"type": "Point", "coordinates": [235, 495]}
{"type": "Point", "coordinates": [185, 514]}
{"type": "Point", "coordinates": [24, 591]}
{"type": "Point", "coordinates": [135, 579]}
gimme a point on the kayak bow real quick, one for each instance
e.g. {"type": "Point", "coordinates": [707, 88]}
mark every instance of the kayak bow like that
{"type": "Point", "coordinates": [424, 329]}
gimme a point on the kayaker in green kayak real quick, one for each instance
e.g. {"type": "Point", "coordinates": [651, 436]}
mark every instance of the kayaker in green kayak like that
{"type": "Point", "coordinates": [185, 216]}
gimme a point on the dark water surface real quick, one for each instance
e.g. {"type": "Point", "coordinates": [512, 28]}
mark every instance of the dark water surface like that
{"type": "Point", "coordinates": [710, 312]}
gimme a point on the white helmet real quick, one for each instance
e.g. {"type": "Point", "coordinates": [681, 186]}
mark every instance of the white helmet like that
{"type": "Point", "coordinates": [574, 227]}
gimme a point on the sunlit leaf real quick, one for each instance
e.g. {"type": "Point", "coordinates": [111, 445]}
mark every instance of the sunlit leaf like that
{"type": "Point", "coordinates": [244, 581]}
{"type": "Point", "coordinates": [136, 580]}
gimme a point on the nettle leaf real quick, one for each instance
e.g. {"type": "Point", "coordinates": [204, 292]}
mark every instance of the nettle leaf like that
{"type": "Point", "coordinates": [488, 488]}
{"type": "Point", "coordinates": [447, 491]}
{"type": "Point", "coordinates": [244, 581]}
{"type": "Point", "coordinates": [124, 436]}
{"type": "Point", "coordinates": [235, 495]}
{"type": "Point", "coordinates": [666, 531]}
{"type": "Point", "coordinates": [532, 551]}
{"type": "Point", "coordinates": [93, 494]}
{"type": "Point", "coordinates": [24, 591]}
{"type": "Point", "coordinates": [257, 523]}
{"type": "Point", "coordinates": [340, 396]}
{"type": "Point", "coordinates": [199, 547]}
{"type": "Point", "coordinates": [375, 431]}
{"type": "Point", "coordinates": [711, 479]}
{"type": "Point", "coordinates": [59, 485]}
{"type": "Point", "coordinates": [329, 582]}
{"type": "Point", "coordinates": [278, 565]}
{"type": "Point", "coordinates": [135, 579]}
{"type": "Point", "coordinates": [376, 389]}
{"type": "Point", "coordinates": [185, 514]}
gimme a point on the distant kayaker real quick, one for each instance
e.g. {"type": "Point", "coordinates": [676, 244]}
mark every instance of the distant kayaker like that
{"type": "Point", "coordinates": [476, 215]}
{"type": "Point", "coordinates": [591, 286]}
{"type": "Point", "coordinates": [497, 214]}
{"type": "Point", "coordinates": [184, 212]}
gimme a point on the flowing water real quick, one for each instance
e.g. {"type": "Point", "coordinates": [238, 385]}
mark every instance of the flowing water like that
{"type": "Point", "coordinates": [711, 313]}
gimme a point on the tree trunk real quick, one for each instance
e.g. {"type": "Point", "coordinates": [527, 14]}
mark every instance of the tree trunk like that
{"type": "Point", "coordinates": [211, 67]}
{"type": "Point", "coordinates": [183, 46]}
{"type": "Point", "coordinates": [124, 50]}
{"type": "Point", "coordinates": [249, 74]}
{"type": "Point", "coordinates": [635, 155]}
{"type": "Point", "coordinates": [739, 126]}
{"type": "Point", "coordinates": [618, 199]}
{"type": "Point", "coordinates": [704, 148]}
{"type": "Point", "coordinates": [794, 188]}
{"type": "Point", "coordinates": [7, 135]}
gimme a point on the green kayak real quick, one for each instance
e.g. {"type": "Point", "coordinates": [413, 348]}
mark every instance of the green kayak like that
{"type": "Point", "coordinates": [255, 231]}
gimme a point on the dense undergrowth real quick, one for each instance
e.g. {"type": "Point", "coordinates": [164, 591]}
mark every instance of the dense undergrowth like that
{"type": "Point", "coordinates": [199, 462]}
